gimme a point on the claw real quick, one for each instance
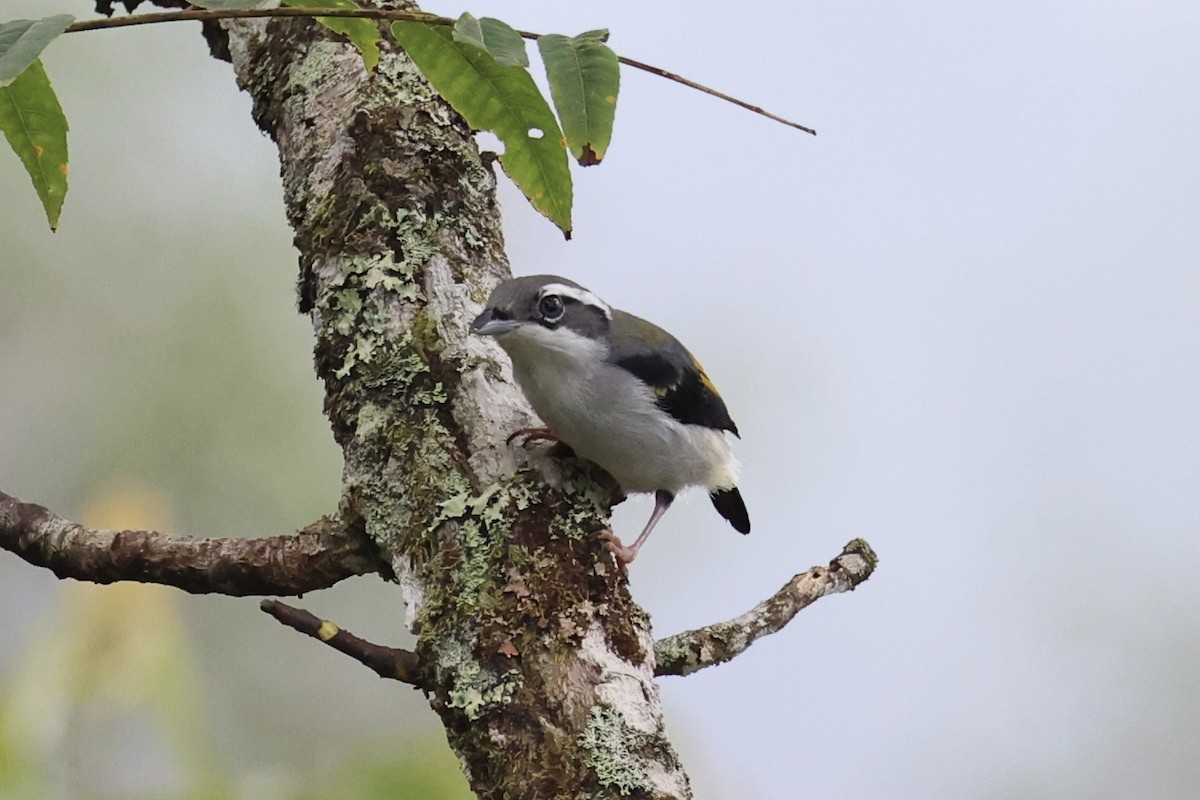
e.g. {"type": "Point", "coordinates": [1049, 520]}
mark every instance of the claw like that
{"type": "Point", "coordinates": [626, 555]}
{"type": "Point", "coordinates": [531, 436]}
{"type": "Point", "coordinates": [623, 554]}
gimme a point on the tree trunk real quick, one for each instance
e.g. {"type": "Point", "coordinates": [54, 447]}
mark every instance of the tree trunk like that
{"type": "Point", "coordinates": [531, 649]}
{"type": "Point", "coordinates": [529, 646]}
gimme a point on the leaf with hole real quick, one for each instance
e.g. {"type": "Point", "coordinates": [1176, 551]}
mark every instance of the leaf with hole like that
{"type": "Point", "coordinates": [362, 33]}
{"type": "Point", "coordinates": [34, 124]}
{"type": "Point", "coordinates": [505, 100]}
{"type": "Point", "coordinates": [23, 40]}
{"type": "Point", "coordinates": [494, 36]}
{"type": "Point", "coordinates": [584, 78]}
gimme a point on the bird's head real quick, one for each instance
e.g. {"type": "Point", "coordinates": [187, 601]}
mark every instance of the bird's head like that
{"type": "Point", "coordinates": [541, 313]}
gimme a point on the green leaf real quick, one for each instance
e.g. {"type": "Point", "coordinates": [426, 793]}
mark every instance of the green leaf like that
{"type": "Point", "coordinates": [498, 38]}
{"type": "Point", "coordinates": [23, 40]}
{"type": "Point", "coordinates": [35, 126]}
{"type": "Point", "coordinates": [584, 80]}
{"type": "Point", "coordinates": [502, 99]}
{"type": "Point", "coordinates": [362, 33]}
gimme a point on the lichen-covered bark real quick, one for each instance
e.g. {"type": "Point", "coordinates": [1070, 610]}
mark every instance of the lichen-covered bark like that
{"type": "Point", "coordinates": [539, 663]}
{"type": "Point", "coordinates": [315, 557]}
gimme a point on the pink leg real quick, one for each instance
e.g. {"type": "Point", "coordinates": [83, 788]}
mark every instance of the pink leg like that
{"type": "Point", "coordinates": [626, 555]}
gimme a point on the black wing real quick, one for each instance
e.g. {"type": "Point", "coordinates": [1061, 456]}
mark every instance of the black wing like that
{"type": "Point", "coordinates": [658, 359]}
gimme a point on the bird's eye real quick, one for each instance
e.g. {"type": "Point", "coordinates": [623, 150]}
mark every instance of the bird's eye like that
{"type": "Point", "coordinates": [551, 308]}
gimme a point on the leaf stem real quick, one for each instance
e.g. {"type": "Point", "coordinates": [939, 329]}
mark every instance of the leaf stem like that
{"type": "Point", "coordinates": [204, 15]}
{"type": "Point", "coordinates": [671, 76]}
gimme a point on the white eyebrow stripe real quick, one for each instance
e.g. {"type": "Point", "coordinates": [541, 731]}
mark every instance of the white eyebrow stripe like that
{"type": "Point", "coordinates": [581, 295]}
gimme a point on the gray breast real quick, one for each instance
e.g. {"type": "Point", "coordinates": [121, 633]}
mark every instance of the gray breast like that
{"type": "Point", "coordinates": [609, 417]}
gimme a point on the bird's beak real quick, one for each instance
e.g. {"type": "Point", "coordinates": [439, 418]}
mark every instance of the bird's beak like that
{"type": "Point", "coordinates": [486, 324]}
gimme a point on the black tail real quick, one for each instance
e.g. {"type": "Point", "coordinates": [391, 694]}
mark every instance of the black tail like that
{"type": "Point", "coordinates": [729, 505]}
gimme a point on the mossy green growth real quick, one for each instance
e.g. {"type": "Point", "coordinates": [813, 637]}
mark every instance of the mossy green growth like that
{"type": "Point", "coordinates": [476, 689]}
{"type": "Point", "coordinates": [381, 270]}
{"type": "Point", "coordinates": [671, 650]}
{"type": "Point", "coordinates": [362, 352]}
{"type": "Point", "coordinates": [415, 229]}
{"type": "Point", "coordinates": [474, 568]}
{"type": "Point", "coordinates": [383, 274]}
{"type": "Point", "coordinates": [396, 365]}
{"type": "Point", "coordinates": [612, 750]}
{"type": "Point", "coordinates": [348, 305]}
{"type": "Point", "coordinates": [399, 470]}
{"type": "Point", "coordinates": [373, 418]}
{"type": "Point", "coordinates": [484, 521]}
{"type": "Point", "coordinates": [317, 65]}
{"type": "Point", "coordinates": [491, 505]}
{"type": "Point", "coordinates": [590, 501]}
{"type": "Point", "coordinates": [406, 80]}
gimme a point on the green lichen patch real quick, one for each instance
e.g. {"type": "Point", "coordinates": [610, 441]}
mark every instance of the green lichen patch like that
{"type": "Point", "coordinates": [472, 687]}
{"type": "Point", "coordinates": [585, 500]}
{"type": "Point", "coordinates": [484, 520]}
{"type": "Point", "coordinates": [613, 750]}
{"type": "Point", "coordinates": [521, 588]}
{"type": "Point", "coordinates": [316, 67]}
{"type": "Point", "coordinates": [675, 656]}
{"type": "Point", "coordinates": [475, 566]}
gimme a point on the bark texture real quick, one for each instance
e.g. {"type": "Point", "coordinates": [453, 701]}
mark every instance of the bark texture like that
{"type": "Point", "coordinates": [690, 651]}
{"type": "Point", "coordinates": [531, 649]}
{"type": "Point", "coordinates": [529, 646]}
{"type": "Point", "coordinates": [315, 557]}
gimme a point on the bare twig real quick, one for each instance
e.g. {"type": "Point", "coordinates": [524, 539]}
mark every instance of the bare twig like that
{"type": "Point", "coordinates": [315, 557]}
{"type": "Point", "coordinates": [671, 76]}
{"type": "Point", "coordinates": [387, 662]}
{"type": "Point", "coordinates": [207, 15]}
{"type": "Point", "coordinates": [685, 653]}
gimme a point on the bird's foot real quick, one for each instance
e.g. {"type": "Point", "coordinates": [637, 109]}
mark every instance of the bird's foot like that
{"type": "Point", "coordinates": [531, 437]}
{"type": "Point", "coordinates": [623, 554]}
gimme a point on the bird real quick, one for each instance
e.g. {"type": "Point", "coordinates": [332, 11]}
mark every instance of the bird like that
{"type": "Point", "coordinates": [619, 391]}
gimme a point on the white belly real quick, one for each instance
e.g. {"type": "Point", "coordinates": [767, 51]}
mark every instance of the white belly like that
{"type": "Point", "coordinates": [609, 417]}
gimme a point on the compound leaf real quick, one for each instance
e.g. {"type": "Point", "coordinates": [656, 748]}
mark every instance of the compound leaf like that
{"type": "Point", "coordinates": [502, 99]}
{"type": "Point", "coordinates": [584, 80]}
{"type": "Point", "coordinates": [498, 38]}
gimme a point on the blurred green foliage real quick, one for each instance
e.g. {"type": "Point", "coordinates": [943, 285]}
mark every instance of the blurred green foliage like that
{"type": "Point", "coordinates": [162, 377]}
{"type": "Point", "coordinates": [107, 702]}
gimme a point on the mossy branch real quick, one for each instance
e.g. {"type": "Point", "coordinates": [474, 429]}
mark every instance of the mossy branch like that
{"type": "Point", "coordinates": [688, 652]}
{"type": "Point", "coordinates": [315, 557]}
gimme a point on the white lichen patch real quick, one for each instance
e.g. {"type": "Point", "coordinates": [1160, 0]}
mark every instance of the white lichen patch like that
{"type": "Point", "coordinates": [611, 749]}
{"type": "Point", "coordinates": [624, 686]}
{"type": "Point", "coordinates": [629, 760]}
{"type": "Point", "coordinates": [412, 591]}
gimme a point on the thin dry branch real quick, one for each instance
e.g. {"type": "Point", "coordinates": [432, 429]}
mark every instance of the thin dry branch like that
{"type": "Point", "coordinates": [209, 15]}
{"type": "Point", "coordinates": [687, 652]}
{"type": "Point", "coordinates": [387, 662]}
{"type": "Point", "coordinates": [315, 557]}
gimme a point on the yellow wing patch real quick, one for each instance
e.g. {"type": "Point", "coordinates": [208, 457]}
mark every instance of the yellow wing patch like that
{"type": "Point", "coordinates": [708, 384]}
